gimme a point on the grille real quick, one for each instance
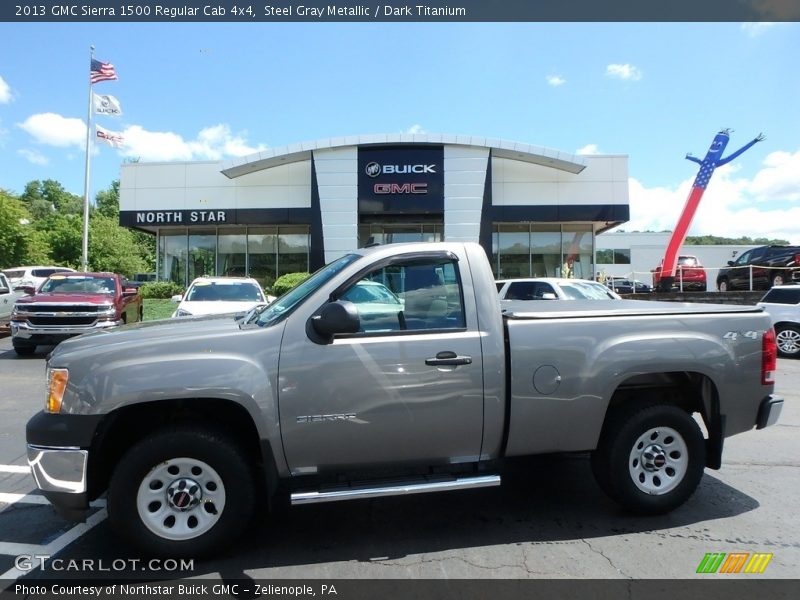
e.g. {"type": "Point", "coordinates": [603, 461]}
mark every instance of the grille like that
{"type": "Point", "coordinates": [48, 308]}
{"type": "Point", "coordinates": [60, 321]}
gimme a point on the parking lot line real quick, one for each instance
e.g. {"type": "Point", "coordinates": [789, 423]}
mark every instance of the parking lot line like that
{"type": "Point", "coordinates": [15, 469]}
{"type": "Point", "coordinates": [8, 498]}
{"type": "Point", "coordinates": [53, 547]}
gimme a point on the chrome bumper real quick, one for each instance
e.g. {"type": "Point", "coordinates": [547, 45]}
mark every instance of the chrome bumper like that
{"type": "Point", "coordinates": [23, 329]}
{"type": "Point", "coordinates": [59, 469]}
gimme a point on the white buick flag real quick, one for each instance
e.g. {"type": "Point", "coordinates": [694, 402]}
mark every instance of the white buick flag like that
{"type": "Point", "coordinates": [112, 138]}
{"type": "Point", "coordinates": [106, 105]}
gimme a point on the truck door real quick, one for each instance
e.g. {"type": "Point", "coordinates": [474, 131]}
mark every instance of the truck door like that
{"type": "Point", "coordinates": [407, 388]}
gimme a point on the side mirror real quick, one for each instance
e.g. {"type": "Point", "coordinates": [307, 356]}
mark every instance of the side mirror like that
{"type": "Point", "coordinates": [4, 290]}
{"type": "Point", "coordinates": [177, 298]}
{"type": "Point", "coordinates": [336, 317]}
{"type": "Point", "coordinates": [131, 291]}
{"type": "Point", "coordinates": [26, 289]}
{"type": "Point", "coordinates": [549, 296]}
{"type": "Point", "coordinates": [730, 263]}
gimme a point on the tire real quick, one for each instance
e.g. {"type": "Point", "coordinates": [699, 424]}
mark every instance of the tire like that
{"type": "Point", "coordinates": [788, 340]}
{"type": "Point", "coordinates": [650, 459]}
{"type": "Point", "coordinates": [200, 470]}
{"type": "Point", "coordinates": [722, 285]}
{"type": "Point", "coordinates": [777, 279]}
{"type": "Point", "coordinates": [25, 350]}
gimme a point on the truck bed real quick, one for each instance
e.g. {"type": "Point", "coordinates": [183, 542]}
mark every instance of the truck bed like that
{"type": "Point", "coordinates": [549, 309]}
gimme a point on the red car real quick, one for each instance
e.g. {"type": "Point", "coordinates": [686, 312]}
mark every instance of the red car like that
{"type": "Point", "coordinates": [689, 275]}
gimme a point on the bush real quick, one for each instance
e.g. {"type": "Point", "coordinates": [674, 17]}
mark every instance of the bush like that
{"type": "Point", "coordinates": [160, 289]}
{"type": "Point", "coordinates": [286, 282]}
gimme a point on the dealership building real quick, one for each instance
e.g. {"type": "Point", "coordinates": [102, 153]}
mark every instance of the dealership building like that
{"type": "Point", "coordinates": [535, 210]}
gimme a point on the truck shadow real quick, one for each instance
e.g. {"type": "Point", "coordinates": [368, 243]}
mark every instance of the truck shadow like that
{"type": "Point", "coordinates": [542, 499]}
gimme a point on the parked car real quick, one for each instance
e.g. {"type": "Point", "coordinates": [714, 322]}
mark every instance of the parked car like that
{"type": "Point", "coordinates": [195, 425]}
{"type": "Point", "coordinates": [768, 266]}
{"type": "Point", "coordinates": [8, 296]}
{"type": "Point", "coordinates": [219, 295]}
{"type": "Point", "coordinates": [32, 276]}
{"type": "Point", "coordinates": [622, 285]}
{"type": "Point", "coordinates": [139, 279]}
{"type": "Point", "coordinates": [69, 304]}
{"type": "Point", "coordinates": [783, 305]}
{"type": "Point", "coordinates": [689, 275]}
{"type": "Point", "coordinates": [553, 288]}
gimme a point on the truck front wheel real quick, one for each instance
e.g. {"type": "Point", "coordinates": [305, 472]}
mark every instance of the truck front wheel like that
{"type": "Point", "coordinates": [650, 459]}
{"type": "Point", "coordinates": [181, 493]}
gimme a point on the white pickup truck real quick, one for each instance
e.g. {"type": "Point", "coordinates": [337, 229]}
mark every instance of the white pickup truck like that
{"type": "Point", "coordinates": [390, 371]}
{"type": "Point", "coordinates": [8, 297]}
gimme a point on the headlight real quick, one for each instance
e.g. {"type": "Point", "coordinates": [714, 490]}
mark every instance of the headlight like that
{"type": "Point", "coordinates": [56, 384]}
{"type": "Point", "coordinates": [182, 313]}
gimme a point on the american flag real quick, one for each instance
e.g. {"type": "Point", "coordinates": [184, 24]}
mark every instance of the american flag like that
{"type": "Point", "coordinates": [101, 71]}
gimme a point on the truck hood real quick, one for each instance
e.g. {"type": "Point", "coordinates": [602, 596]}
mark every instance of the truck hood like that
{"type": "Point", "coordinates": [68, 299]}
{"type": "Point", "coordinates": [148, 334]}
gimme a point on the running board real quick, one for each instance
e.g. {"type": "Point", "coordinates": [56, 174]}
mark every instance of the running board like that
{"type": "Point", "coordinates": [356, 493]}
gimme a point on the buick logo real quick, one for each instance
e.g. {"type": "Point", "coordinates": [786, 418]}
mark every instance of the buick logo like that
{"type": "Point", "coordinates": [373, 169]}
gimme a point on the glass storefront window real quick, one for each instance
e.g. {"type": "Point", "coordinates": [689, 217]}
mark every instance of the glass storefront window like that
{"type": "Point", "coordinates": [542, 250]}
{"type": "Point", "coordinates": [202, 253]}
{"type": "Point", "coordinates": [293, 244]}
{"type": "Point", "coordinates": [514, 256]}
{"type": "Point", "coordinates": [232, 252]}
{"type": "Point", "coordinates": [172, 254]}
{"type": "Point", "coordinates": [380, 233]}
{"type": "Point", "coordinates": [577, 251]}
{"type": "Point", "coordinates": [262, 245]}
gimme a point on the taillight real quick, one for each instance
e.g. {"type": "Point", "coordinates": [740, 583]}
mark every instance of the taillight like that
{"type": "Point", "coordinates": [769, 357]}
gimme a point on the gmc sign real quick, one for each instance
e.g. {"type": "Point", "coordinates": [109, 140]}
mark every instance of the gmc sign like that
{"type": "Point", "coordinates": [401, 179]}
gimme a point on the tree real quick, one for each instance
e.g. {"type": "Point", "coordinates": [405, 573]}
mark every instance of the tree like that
{"type": "Point", "coordinates": [107, 201]}
{"type": "Point", "coordinates": [114, 248]}
{"type": "Point", "coordinates": [13, 230]}
{"type": "Point", "coordinates": [65, 234]}
{"type": "Point", "coordinates": [53, 194]}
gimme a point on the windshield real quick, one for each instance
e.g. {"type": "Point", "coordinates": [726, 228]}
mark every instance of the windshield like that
{"type": "Point", "coordinates": [78, 284]}
{"type": "Point", "coordinates": [586, 291]}
{"type": "Point", "coordinates": [274, 312]}
{"type": "Point", "coordinates": [224, 291]}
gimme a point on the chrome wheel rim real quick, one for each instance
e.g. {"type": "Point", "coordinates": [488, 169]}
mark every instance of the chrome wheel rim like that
{"type": "Point", "coordinates": [788, 341]}
{"type": "Point", "coordinates": [658, 461]}
{"type": "Point", "coordinates": [181, 499]}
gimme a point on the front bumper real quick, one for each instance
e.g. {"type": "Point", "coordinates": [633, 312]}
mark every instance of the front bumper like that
{"type": "Point", "coordinates": [769, 412]}
{"type": "Point", "coordinates": [59, 458]}
{"type": "Point", "coordinates": [25, 330]}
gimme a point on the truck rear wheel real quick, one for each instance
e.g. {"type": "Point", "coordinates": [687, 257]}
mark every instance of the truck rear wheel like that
{"type": "Point", "coordinates": [650, 459]}
{"type": "Point", "coordinates": [181, 493]}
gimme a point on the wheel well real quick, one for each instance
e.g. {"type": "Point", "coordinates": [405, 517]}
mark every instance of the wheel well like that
{"type": "Point", "coordinates": [693, 392]}
{"type": "Point", "coordinates": [125, 426]}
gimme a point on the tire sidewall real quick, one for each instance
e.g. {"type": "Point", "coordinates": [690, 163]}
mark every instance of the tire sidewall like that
{"type": "Point", "coordinates": [619, 481]}
{"type": "Point", "coordinates": [217, 451]}
{"type": "Point", "coordinates": [781, 329]}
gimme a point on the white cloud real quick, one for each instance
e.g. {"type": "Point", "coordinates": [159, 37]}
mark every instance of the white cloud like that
{"type": "Point", "coordinates": [5, 92]}
{"type": "Point", "coordinates": [217, 141]}
{"type": "Point", "coordinates": [555, 80]}
{"type": "Point", "coordinates": [416, 128]}
{"type": "Point", "coordinates": [37, 158]}
{"type": "Point", "coordinates": [757, 29]}
{"type": "Point", "coordinates": [731, 206]}
{"type": "Point", "coordinates": [626, 72]}
{"type": "Point", "coordinates": [54, 130]}
{"type": "Point", "coordinates": [588, 149]}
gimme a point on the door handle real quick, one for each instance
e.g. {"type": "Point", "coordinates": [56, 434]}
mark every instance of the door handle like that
{"type": "Point", "coordinates": [448, 359]}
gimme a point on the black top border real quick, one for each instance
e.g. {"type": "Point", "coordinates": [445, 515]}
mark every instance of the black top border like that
{"type": "Point", "coordinates": [424, 11]}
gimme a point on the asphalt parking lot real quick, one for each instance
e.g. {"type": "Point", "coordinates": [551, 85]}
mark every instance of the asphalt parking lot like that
{"type": "Point", "coordinates": [548, 520]}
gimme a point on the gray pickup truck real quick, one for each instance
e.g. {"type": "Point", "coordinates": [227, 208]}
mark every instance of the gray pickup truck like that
{"type": "Point", "coordinates": [390, 371]}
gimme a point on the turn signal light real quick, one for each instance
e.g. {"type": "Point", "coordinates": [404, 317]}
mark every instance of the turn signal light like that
{"type": "Point", "coordinates": [56, 384]}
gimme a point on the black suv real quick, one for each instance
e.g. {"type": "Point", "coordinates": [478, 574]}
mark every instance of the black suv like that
{"type": "Point", "coordinates": [769, 265]}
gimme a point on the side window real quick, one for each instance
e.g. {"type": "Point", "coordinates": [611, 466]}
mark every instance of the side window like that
{"type": "Point", "coordinates": [742, 260]}
{"type": "Point", "coordinates": [521, 290]}
{"type": "Point", "coordinates": [418, 295]}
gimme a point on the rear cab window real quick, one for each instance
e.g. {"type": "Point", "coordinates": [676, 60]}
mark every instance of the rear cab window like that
{"type": "Point", "coordinates": [782, 296]}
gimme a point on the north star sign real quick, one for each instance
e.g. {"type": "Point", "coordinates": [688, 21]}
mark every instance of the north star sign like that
{"type": "Point", "coordinates": [154, 217]}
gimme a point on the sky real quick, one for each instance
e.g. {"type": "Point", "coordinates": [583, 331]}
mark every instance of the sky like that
{"type": "Point", "coordinates": [211, 91]}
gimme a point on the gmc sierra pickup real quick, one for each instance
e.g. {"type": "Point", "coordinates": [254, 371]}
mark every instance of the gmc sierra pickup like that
{"type": "Point", "coordinates": [390, 371]}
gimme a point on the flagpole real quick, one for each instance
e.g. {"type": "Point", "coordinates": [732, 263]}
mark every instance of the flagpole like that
{"type": "Point", "coordinates": [85, 252]}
